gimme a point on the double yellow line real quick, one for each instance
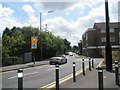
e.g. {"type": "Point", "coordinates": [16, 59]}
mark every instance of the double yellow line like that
{"type": "Point", "coordinates": [61, 80]}
{"type": "Point", "coordinates": [65, 78]}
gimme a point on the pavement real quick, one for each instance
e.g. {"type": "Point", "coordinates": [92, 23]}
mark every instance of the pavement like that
{"type": "Point", "coordinates": [90, 81]}
{"type": "Point", "coordinates": [21, 66]}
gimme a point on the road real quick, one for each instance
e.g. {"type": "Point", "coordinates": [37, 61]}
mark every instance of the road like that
{"type": "Point", "coordinates": [37, 77]}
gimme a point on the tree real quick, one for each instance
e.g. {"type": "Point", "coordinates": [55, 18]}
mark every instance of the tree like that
{"type": "Point", "coordinates": [17, 41]}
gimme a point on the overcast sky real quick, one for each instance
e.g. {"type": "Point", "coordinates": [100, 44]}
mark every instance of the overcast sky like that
{"type": "Point", "coordinates": [68, 20]}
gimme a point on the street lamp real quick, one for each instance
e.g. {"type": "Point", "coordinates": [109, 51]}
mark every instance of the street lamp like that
{"type": "Point", "coordinates": [41, 30]}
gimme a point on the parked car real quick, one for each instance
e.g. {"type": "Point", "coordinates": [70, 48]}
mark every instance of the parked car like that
{"type": "Point", "coordinates": [58, 60]}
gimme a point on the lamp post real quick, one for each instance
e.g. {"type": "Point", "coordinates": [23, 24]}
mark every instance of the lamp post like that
{"type": "Point", "coordinates": [41, 31]}
{"type": "Point", "coordinates": [108, 46]}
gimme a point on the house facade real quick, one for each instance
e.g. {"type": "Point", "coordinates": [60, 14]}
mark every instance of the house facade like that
{"type": "Point", "coordinates": [94, 39]}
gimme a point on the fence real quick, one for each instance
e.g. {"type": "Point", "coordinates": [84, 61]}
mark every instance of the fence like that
{"type": "Point", "coordinates": [25, 58]}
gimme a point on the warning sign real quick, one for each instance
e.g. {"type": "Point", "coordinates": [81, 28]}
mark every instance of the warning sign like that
{"type": "Point", "coordinates": [34, 41]}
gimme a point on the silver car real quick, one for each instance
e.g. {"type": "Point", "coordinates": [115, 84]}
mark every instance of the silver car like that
{"type": "Point", "coordinates": [58, 60]}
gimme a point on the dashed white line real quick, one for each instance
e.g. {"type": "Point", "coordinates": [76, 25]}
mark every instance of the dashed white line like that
{"type": "Point", "coordinates": [51, 69]}
{"type": "Point", "coordinates": [24, 75]}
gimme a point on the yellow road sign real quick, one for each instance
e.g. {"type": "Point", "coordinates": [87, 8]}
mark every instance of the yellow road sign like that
{"type": "Point", "coordinates": [34, 46]}
{"type": "Point", "coordinates": [34, 41]}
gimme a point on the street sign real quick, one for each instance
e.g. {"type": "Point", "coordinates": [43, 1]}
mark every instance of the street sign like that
{"type": "Point", "coordinates": [34, 41]}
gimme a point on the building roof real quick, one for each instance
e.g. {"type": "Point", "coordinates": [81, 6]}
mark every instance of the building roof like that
{"type": "Point", "coordinates": [89, 29]}
{"type": "Point", "coordinates": [103, 25]}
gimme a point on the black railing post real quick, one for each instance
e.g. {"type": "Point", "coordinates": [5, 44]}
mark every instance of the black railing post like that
{"type": "Point", "coordinates": [74, 72]}
{"type": "Point", "coordinates": [116, 73]}
{"type": "Point", "coordinates": [100, 78]}
{"type": "Point", "coordinates": [20, 79]}
{"type": "Point", "coordinates": [57, 77]}
{"type": "Point", "coordinates": [83, 67]}
{"type": "Point", "coordinates": [92, 63]}
{"type": "Point", "coordinates": [89, 64]}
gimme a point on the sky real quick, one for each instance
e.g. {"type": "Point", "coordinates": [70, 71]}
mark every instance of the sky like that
{"type": "Point", "coordinates": [69, 18]}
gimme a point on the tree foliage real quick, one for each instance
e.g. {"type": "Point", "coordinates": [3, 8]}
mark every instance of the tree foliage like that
{"type": "Point", "coordinates": [17, 41]}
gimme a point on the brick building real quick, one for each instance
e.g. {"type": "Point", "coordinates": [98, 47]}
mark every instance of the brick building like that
{"type": "Point", "coordinates": [94, 39]}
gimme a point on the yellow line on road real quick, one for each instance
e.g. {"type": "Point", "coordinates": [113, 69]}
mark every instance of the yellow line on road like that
{"type": "Point", "coordinates": [100, 64]}
{"type": "Point", "coordinates": [62, 79]}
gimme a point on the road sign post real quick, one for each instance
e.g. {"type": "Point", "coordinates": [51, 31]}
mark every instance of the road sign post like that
{"type": "Point", "coordinates": [34, 41]}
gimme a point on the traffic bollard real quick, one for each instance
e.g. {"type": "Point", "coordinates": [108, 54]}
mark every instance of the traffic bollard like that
{"type": "Point", "coordinates": [74, 72]}
{"type": "Point", "coordinates": [57, 77]}
{"type": "Point", "coordinates": [92, 63]}
{"type": "Point", "coordinates": [20, 79]}
{"type": "Point", "coordinates": [116, 73]}
{"type": "Point", "coordinates": [89, 64]}
{"type": "Point", "coordinates": [83, 67]}
{"type": "Point", "coordinates": [100, 78]}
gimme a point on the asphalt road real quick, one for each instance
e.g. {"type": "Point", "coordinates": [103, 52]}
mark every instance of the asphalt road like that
{"type": "Point", "coordinates": [37, 77]}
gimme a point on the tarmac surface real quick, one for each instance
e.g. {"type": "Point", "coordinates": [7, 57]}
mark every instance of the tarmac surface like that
{"type": "Point", "coordinates": [87, 82]}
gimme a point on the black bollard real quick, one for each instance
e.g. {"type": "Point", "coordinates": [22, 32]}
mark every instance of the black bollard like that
{"type": "Point", "coordinates": [89, 64]}
{"type": "Point", "coordinates": [20, 79]}
{"type": "Point", "coordinates": [74, 72]}
{"type": "Point", "coordinates": [116, 73]}
{"type": "Point", "coordinates": [83, 67]}
{"type": "Point", "coordinates": [100, 78]}
{"type": "Point", "coordinates": [57, 77]}
{"type": "Point", "coordinates": [92, 63]}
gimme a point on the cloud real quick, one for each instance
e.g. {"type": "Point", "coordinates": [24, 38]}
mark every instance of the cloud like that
{"type": "Point", "coordinates": [7, 19]}
{"type": "Point", "coordinates": [55, 6]}
{"type": "Point", "coordinates": [59, 5]}
{"type": "Point", "coordinates": [30, 11]}
{"type": "Point", "coordinates": [73, 30]}
{"type": "Point", "coordinates": [5, 12]}
{"type": "Point", "coordinates": [119, 11]}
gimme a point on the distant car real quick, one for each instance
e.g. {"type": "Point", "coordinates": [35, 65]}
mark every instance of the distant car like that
{"type": "Point", "coordinates": [58, 60]}
{"type": "Point", "coordinates": [70, 53]}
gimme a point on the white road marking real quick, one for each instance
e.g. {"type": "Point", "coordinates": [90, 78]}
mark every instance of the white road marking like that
{"type": "Point", "coordinates": [105, 77]}
{"type": "Point", "coordinates": [51, 69]}
{"type": "Point", "coordinates": [23, 75]}
{"type": "Point", "coordinates": [35, 72]}
{"type": "Point", "coordinates": [12, 77]}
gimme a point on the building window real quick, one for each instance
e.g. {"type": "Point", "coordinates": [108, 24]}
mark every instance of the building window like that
{"type": "Point", "coordinates": [103, 39]}
{"type": "Point", "coordinates": [111, 29]}
{"type": "Point", "coordinates": [103, 30]}
{"type": "Point", "coordinates": [112, 39]}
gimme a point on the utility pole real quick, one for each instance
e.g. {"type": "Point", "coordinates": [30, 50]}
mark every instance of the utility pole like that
{"type": "Point", "coordinates": [40, 38]}
{"type": "Point", "coordinates": [41, 57]}
{"type": "Point", "coordinates": [108, 46]}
